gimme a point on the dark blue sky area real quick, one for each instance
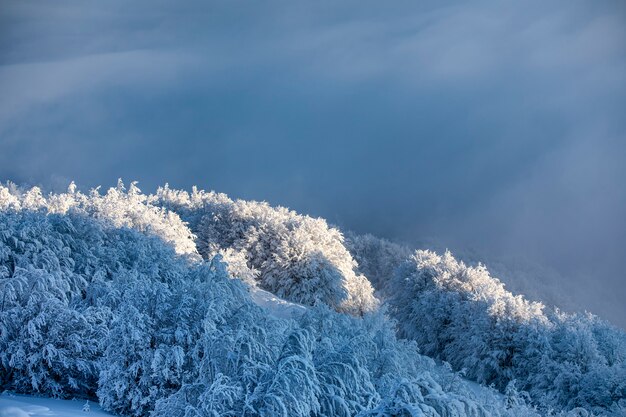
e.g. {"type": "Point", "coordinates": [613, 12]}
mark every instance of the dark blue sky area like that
{"type": "Point", "coordinates": [496, 129]}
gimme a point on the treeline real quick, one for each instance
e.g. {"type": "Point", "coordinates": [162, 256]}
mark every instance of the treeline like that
{"type": "Point", "coordinates": [94, 305]}
{"type": "Point", "coordinates": [124, 297]}
{"type": "Point", "coordinates": [462, 315]}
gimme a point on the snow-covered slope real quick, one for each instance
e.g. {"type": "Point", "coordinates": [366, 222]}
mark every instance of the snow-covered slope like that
{"type": "Point", "coordinates": [114, 297]}
{"type": "Point", "coordinates": [276, 306]}
{"type": "Point", "coordinates": [12, 405]}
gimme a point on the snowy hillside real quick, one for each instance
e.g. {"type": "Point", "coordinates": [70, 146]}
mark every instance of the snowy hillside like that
{"type": "Point", "coordinates": [192, 304]}
{"type": "Point", "coordinates": [29, 406]}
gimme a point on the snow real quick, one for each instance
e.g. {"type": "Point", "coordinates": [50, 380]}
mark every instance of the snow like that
{"type": "Point", "coordinates": [13, 405]}
{"type": "Point", "coordinates": [276, 306]}
{"type": "Point", "coordinates": [96, 290]}
{"type": "Point", "coordinates": [482, 392]}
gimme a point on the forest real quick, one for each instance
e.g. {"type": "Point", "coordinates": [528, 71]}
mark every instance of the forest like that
{"type": "Point", "coordinates": [145, 303]}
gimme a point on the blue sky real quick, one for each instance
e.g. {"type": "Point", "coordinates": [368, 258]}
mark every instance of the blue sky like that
{"type": "Point", "coordinates": [496, 129]}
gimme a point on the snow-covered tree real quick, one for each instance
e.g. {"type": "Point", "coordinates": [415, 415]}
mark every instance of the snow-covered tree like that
{"type": "Point", "coordinates": [297, 257]}
{"type": "Point", "coordinates": [120, 207]}
{"type": "Point", "coordinates": [377, 258]}
{"type": "Point", "coordinates": [462, 315]}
